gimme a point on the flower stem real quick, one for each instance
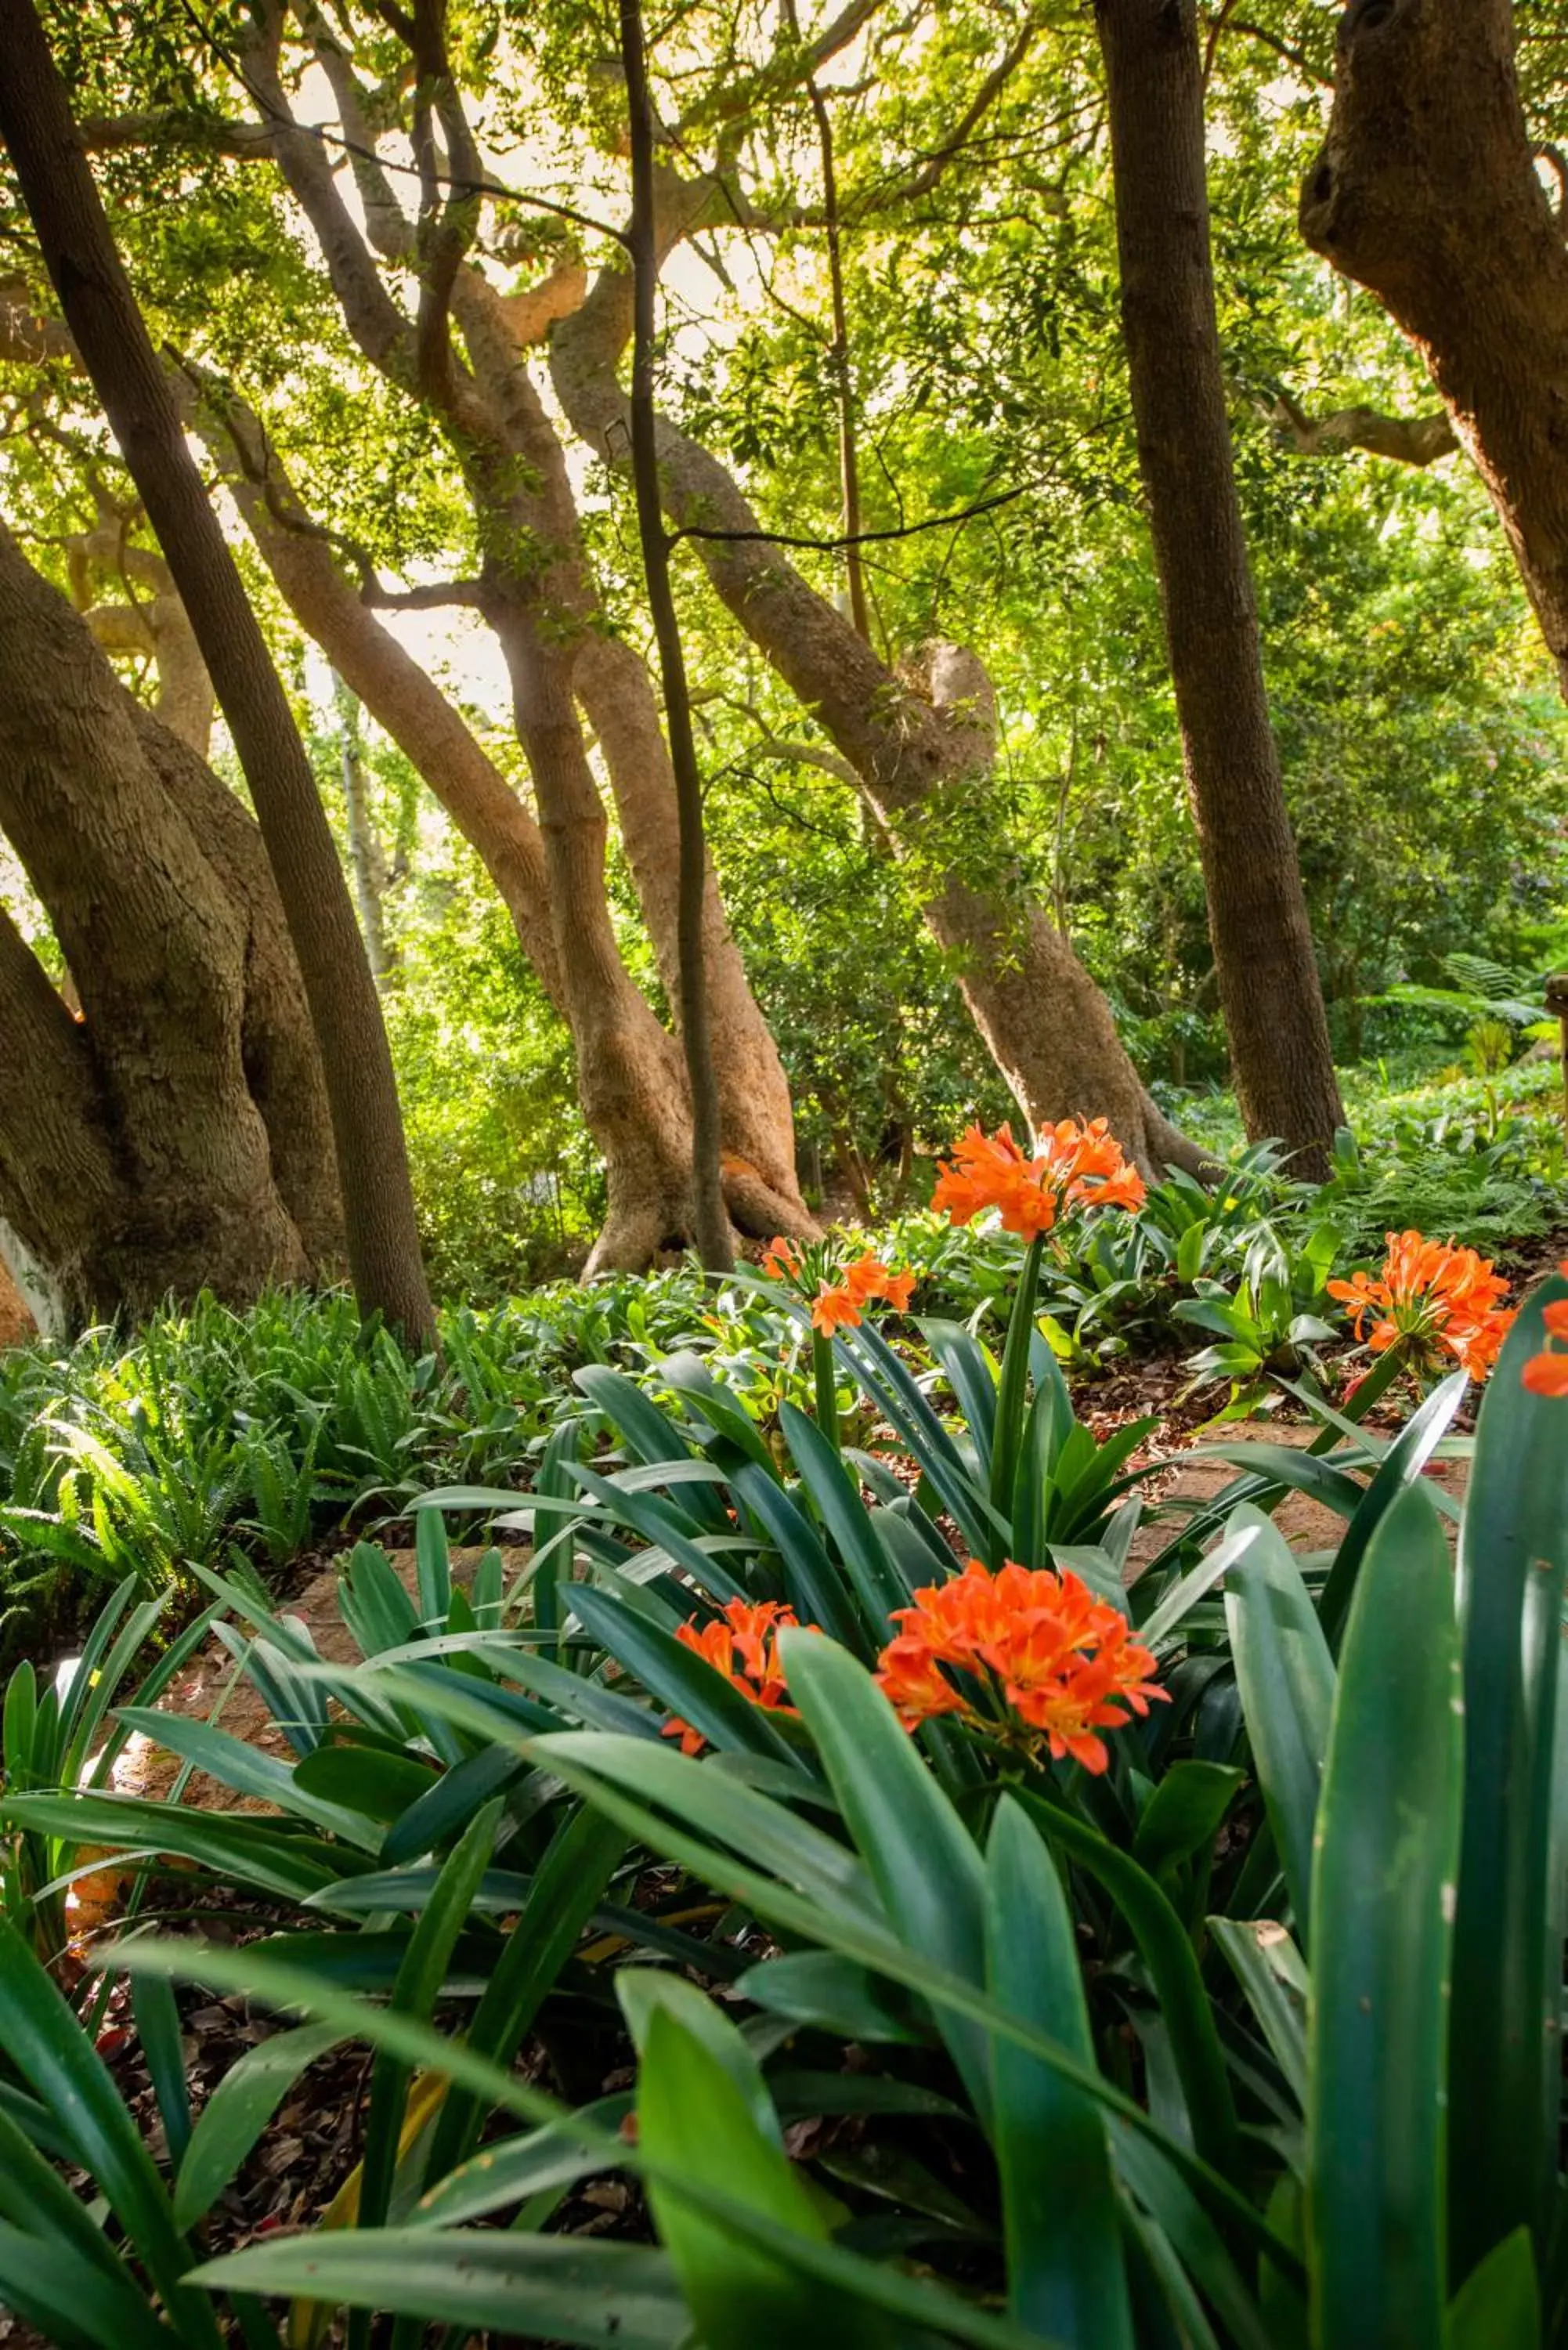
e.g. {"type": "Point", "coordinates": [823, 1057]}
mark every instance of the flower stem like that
{"type": "Point", "coordinates": [822, 1379]}
{"type": "Point", "coordinates": [1013, 1388]}
{"type": "Point", "coordinates": [1378, 1380]}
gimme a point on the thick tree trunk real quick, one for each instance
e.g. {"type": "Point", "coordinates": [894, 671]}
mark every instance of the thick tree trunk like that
{"type": "Point", "coordinates": [1269, 987]}
{"type": "Point", "coordinates": [100, 309]}
{"type": "Point", "coordinates": [638, 1147]}
{"type": "Point", "coordinates": [916, 748]}
{"type": "Point", "coordinates": [135, 1151]}
{"type": "Point", "coordinates": [1425, 193]}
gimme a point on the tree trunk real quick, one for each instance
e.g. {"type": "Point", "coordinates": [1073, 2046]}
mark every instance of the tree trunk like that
{"type": "Point", "coordinates": [758, 1119]}
{"type": "Point", "coordinates": [706, 1175]}
{"type": "Point", "coordinates": [1269, 987]}
{"type": "Point", "coordinates": [1425, 193]}
{"type": "Point", "coordinates": [916, 749]}
{"type": "Point", "coordinates": [367, 858]}
{"type": "Point", "coordinates": [759, 1171]}
{"type": "Point", "coordinates": [136, 1150]}
{"type": "Point", "coordinates": [100, 309]}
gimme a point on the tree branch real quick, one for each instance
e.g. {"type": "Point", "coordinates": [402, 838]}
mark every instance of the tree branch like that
{"type": "Point", "coordinates": [1406, 439]}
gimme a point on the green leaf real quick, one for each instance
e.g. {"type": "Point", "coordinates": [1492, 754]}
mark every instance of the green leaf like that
{"type": "Point", "coordinates": [1286, 1678]}
{"type": "Point", "coordinates": [507, 2170]}
{"type": "Point", "coordinates": [1383, 1902]}
{"type": "Point", "coordinates": [921, 1857]}
{"type": "Point", "coordinates": [158, 2029]}
{"type": "Point", "coordinates": [1268, 1966]}
{"type": "Point", "coordinates": [364, 1779]}
{"type": "Point", "coordinates": [812, 1585]}
{"type": "Point", "coordinates": [446, 1804]}
{"type": "Point", "coordinates": [682, 1681]}
{"type": "Point", "coordinates": [582, 1855]}
{"type": "Point", "coordinates": [836, 1995]}
{"type": "Point", "coordinates": [47, 2044]}
{"type": "Point", "coordinates": [1184, 1814]}
{"type": "Point", "coordinates": [878, 1585]}
{"type": "Point", "coordinates": [1168, 1953]}
{"type": "Point", "coordinates": [1065, 2271]}
{"type": "Point", "coordinates": [71, 2304]}
{"type": "Point", "coordinates": [1508, 1941]}
{"type": "Point", "coordinates": [1404, 1461]}
{"type": "Point", "coordinates": [432, 1567]}
{"type": "Point", "coordinates": [1497, 2307]}
{"type": "Point", "coordinates": [237, 2112]}
{"type": "Point", "coordinates": [415, 1992]}
{"type": "Point", "coordinates": [236, 1764]}
{"type": "Point", "coordinates": [605, 2296]}
{"type": "Point", "coordinates": [692, 2113]}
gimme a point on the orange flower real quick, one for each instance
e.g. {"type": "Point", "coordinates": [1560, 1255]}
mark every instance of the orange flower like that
{"type": "Point", "coordinates": [1546, 1374]}
{"type": "Point", "coordinates": [834, 1307]}
{"type": "Point", "coordinates": [781, 1258]}
{"type": "Point", "coordinates": [1434, 1299]}
{"type": "Point", "coordinates": [1031, 1657]}
{"type": "Point", "coordinates": [1076, 1166]}
{"type": "Point", "coordinates": [743, 1644]}
{"type": "Point", "coordinates": [866, 1278]}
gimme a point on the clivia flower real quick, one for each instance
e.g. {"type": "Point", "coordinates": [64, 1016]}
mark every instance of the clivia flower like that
{"type": "Point", "coordinates": [1077, 1165]}
{"type": "Point", "coordinates": [743, 1645]}
{"type": "Point", "coordinates": [840, 1304]}
{"type": "Point", "coordinates": [1432, 1298]}
{"type": "Point", "coordinates": [1024, 1655]}
{"type": "Point", "coordinates": [1546, 1374]}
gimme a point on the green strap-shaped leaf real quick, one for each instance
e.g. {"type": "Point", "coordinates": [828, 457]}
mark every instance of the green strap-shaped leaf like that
{"type": "Point", "coordinates": [73, 2305]}
{"type": "Point", "coordinates": [1508, 1939]}
{"type": "Point", "coordinates": [1064, 2269]}
{"type": "Point", "coordinates": [237, 2112]}
{"type": "Point", "coordinates": [1168, 1953]}
{"type": "Point", "coordinates": [45, 2042]}
{"type": "Point", "coordinates": [605, 2297]}
{"type": "Point", "coordinates": [921, 1857]}
{"type": "Point", "coordinates": [878, 1585]}
{"type": "Point", "coordinates": [1497, 2307]}
{"type": "Point", "coordinates": [1382, 1906]}
{"type": "Point", "coordinates": [1286, 1676]}
{"type": "Point", "coordinates": [692, 2112]}
{"type": "Point", "coordinates": [680, 1679]}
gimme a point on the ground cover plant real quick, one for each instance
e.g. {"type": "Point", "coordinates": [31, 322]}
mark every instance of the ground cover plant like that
{"type": "Point", "coordinates": [996, 1950]}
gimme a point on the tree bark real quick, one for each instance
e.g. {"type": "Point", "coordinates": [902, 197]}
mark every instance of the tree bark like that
{"type": "Point", "coordinates": [713, 1223]}
{"type": "Point", "coordinates": [912, 742]}
{"type": "Point", "coordinates": [367, 858]}
{"type": "Point", "coordinates": [100, 309]}
{"type": "Point", "coordinates": [1425, 193]}
{"type": "Point", "coordinates": [1270, 991]}
{"type": "Point", "coordinates": [137, 1144]}
{"type": "Point", "coordinates": [543, 606]}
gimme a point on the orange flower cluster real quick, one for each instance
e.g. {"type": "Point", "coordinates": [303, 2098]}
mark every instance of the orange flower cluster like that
{"type": "Point", "coordinates": [743, 1645]}
{"type": "Point", "coordinates": [1547, 1373]}
{"type": "Point", "coordinates": [1064, 1663]}
{"type": "Point", "coordinates": [1433, 1298]}
{"type": "Point", "coordinates": [866, 1278]}
{"type": "Point", "coordinates": [1077, 1165]}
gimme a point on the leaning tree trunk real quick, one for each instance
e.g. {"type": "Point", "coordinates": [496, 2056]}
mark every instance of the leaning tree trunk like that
{"type": "Point", "coordinates": [1270, 991]}
{"type": "Point", "coordinates": [1425, 193]}
{"type": "Point", "coordinates": [153, 1145]}
{"type": "Point", "coordinates": [921, 752]}
{"type": "Point", "coordinates": [100, 309]}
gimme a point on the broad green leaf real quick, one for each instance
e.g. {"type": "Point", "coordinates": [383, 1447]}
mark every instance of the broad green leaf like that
{"type": "Point", "coordinates": [834, 1994]}
{"type": "Point", "coordinates": [1505, 2084]}
{"type": "Point", "coordinates": [1497, 2307]}
{"type": "Point", "coordinates": [681, 1680]}
{"type": "Point", "coordinates": [72, 2304]}
{"type": "Point", "coordinates": [1405, 1459]}
{"type": "Point", "coordinates": [1382, 1906]}
{"type": "Point", "coordinates": [236, 1764]}
{"type": "Point", "coordinates": [1286, 1678]}
{"type": "Point", "coordinates": [692, 2113]}
{"type": "Point", "coordinates": [1065, 2271]}
{"type": "Point", "coordinates": [921, 1857]}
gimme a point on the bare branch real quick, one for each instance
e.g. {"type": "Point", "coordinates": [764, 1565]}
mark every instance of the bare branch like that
{"type": "Point", "coordinates": [1406, 439]}
{"type": "Point", "coordinates": [836, 545]}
